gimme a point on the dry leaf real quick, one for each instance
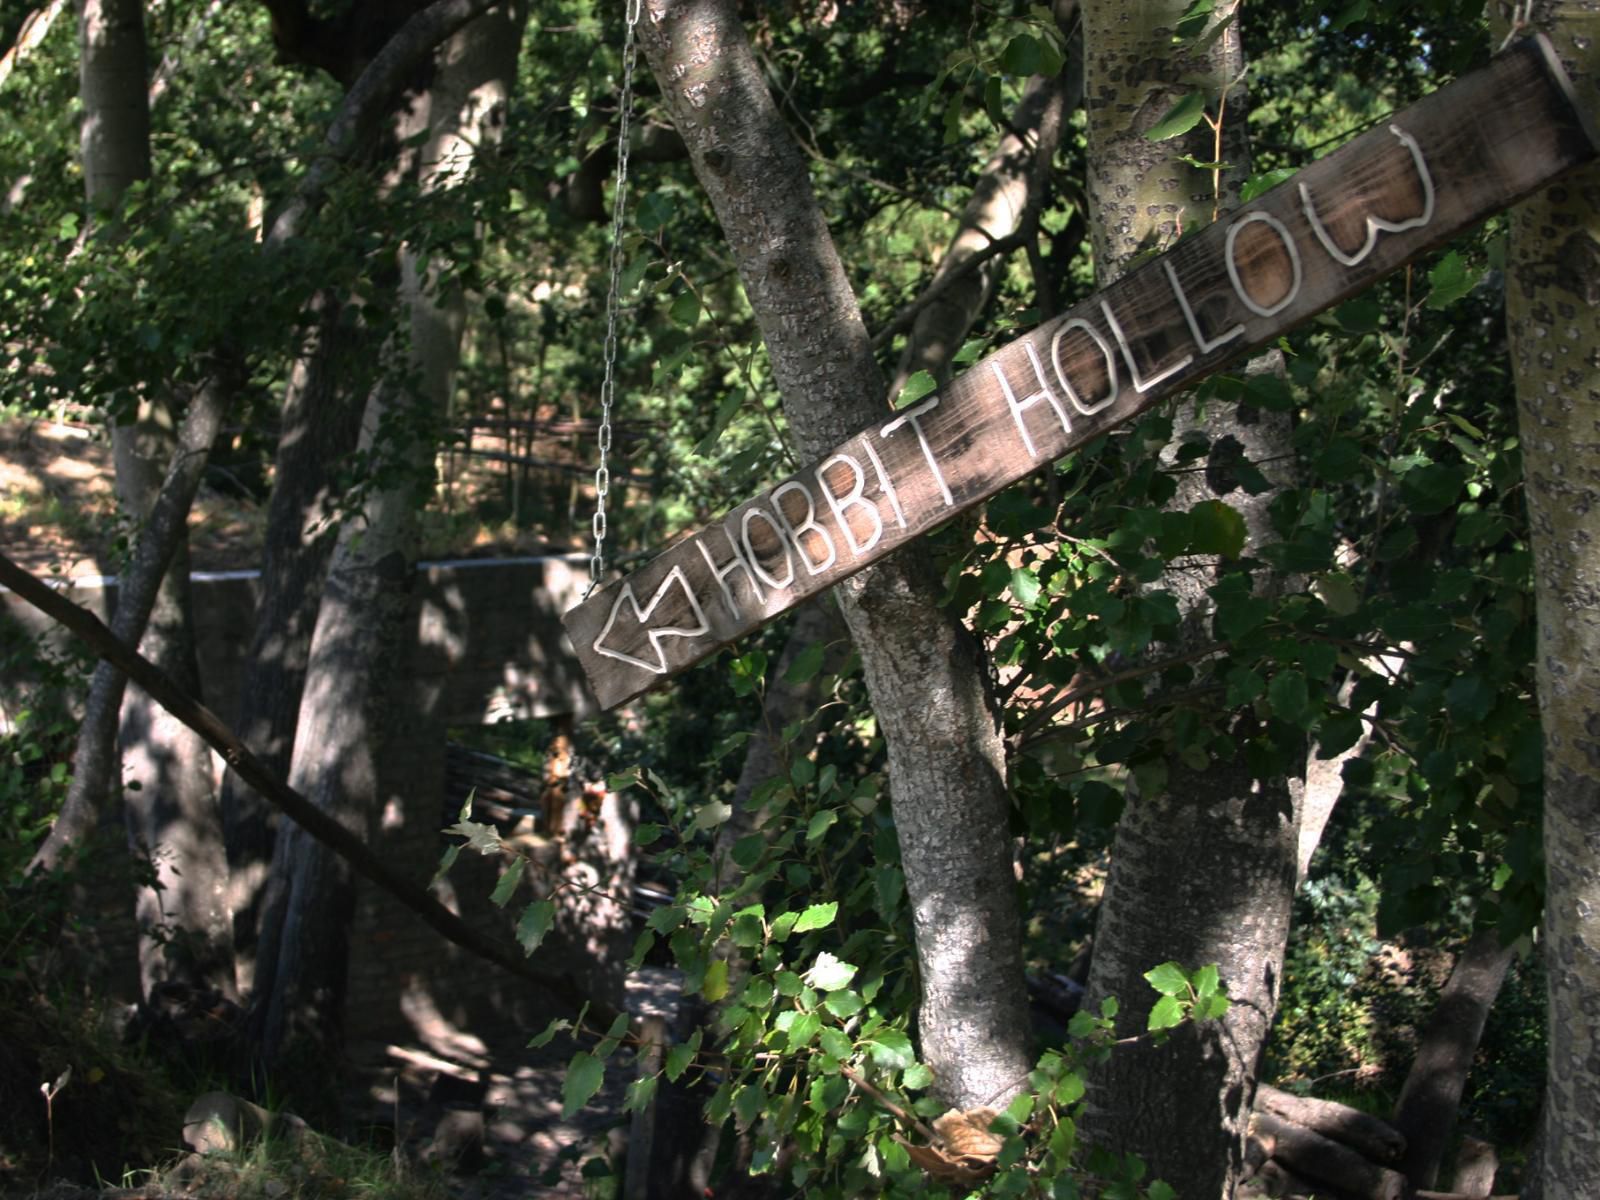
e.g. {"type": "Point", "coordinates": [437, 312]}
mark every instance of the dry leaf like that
{"type": "Point", "coordinates": [967, 1133]}
{"type": "Point", "coordinates": [966, 1172]}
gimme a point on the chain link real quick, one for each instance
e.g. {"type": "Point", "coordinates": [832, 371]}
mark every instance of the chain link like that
{"type": "Point", "coordinates": [608, 383]}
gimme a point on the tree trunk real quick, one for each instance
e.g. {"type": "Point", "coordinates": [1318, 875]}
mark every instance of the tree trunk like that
{"type": "Point", "coordinates": [1426, 1110]}
{"type": "Point", "coordinates": [1553, 317]}
{"type": "Point", "coordinates": [1203, 870]}
{"type": "Point", "coordinates": [361, 624]}
{"type": "Point", "coordinates": [319, 426]}
{"type": "Point", "coordinates": [923, 670]}
{"type": "Point", "coordinates": [169, 795]}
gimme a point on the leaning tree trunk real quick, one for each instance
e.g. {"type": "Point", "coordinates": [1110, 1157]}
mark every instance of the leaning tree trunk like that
{"type": "Point", "coordinates": [923, 670]}
{"type": "Point", "coordinates": [361, 624]}
{"type": "Point", "coordinates": [170, 803]}
{"type": "Point", "coordinates": [1553, 316]}
{"type": "Point", "coordinates": [1203, 870]}
{"type": "Point", "coordinates": [320, 422]}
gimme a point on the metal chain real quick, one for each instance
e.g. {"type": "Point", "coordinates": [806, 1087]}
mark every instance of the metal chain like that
{"type": "Point", "coordinates": [608, 383]}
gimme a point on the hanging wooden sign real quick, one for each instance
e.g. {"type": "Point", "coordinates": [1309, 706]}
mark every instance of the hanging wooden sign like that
{"type": "Point", "coordinates": [1429, 172]}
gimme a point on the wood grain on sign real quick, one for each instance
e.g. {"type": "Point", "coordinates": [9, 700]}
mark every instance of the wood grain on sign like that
{"type": "Point", "coordinates": [1440, 166]}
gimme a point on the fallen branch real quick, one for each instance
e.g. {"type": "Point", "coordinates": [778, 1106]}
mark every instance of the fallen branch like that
{"type": "Point", "coordinates": [1316, 1157]}
{"type": "Point", "coordinates": [93, 632]}
{"type": "Point", "coordinates": [1372, 1136]}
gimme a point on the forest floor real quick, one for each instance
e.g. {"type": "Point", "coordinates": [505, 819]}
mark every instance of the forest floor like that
{"type": "Point", "coordinates": [58, 511]}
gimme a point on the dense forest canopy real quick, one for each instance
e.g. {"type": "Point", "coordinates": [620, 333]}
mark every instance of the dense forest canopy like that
{"type": "Point", "coordinates": [1250, 743]}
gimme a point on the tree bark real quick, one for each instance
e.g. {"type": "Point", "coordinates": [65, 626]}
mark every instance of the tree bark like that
{"type": "Point", "coordinates": [361, 623]}
{"type": "Point", "coordinates": [1203, 870]}
{"type": "Point", "coordinates": [1553, 318]}
{"type": "Point", "coordinates": [923, 670]}
{"type": "Point", "coordinates": [1311, 1155]}
{"type": "Point", "coordinates": [169, 797]}
{"type": "Point", "coordinates": [1372, 1136]}
{"type": "Point", "coordinates": [320, 422]}
{"type": "Point", "coordinates": [1431, 1096]}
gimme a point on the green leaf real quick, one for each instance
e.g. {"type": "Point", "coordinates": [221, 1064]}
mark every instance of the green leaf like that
{"type": "Point", "coordinates": [829, 974]}
{"type": "Point", "coordinates": [1206, 980]}
{"type": "Point", "coordinates": [891, 1049]}
{"type": "Point", "coordinates": [585, 1074]}
{"type": "Point", "coordinates": [916, 1077]}
{"type": "Point", "coordinates": [818, 916]}
{"type": "Point", "coordinates": [1109, 1007]}
{"type": "Point", "coordinates": [535, 923]}
{"type": "Point", "coordinates": [711, 815]}
{"type": "Point", "coordinates": [1218, 529]}
{"type": "Point", "coordinates": [1167, 1013]}
{"type": "Point", "coordinates": [843, 1004]}
{"type": "Point", "coordinates": [1160, 1189]}
{"type": "Point", "coordinates": [836, 1042]}
{"type": "Point", "coordinates": [1024, 586]}
{"type": "Point", "coordinates": [654, 211]}
{"type": "Point", "coordinates": [1179, 119]}
{"type": "Point", "coordinates": [559, 1025]}
{"type": "Point", "coordinates": [1289, 697]}
{"type": "Point", "coordinates": [1212, 1007]}
{"type": "Point", "coordinates": [1449, 281]}
{"type": "Point", "coordinates": [726, 411]}
{"type": "Point", "coordinates": [680, 1056]}
{"type": "Point", "coordinates": [646, 834]}
{"type": "Point", "coordinates": [748, 1102]}
{"type": "Point", "coordinates": [507, 886]}
{"type": "Point", "coordinates": [666, 919]}
{"type": "Point", "coordinates": [789, 984]}
{"type": "Point", "coordinates": [715, 986]}
{"type": "Point", "coordinates": [806, 664]}
{"type": "Point", "coordinates": [1024, 55]}
{"type": "Point", "coordinates": [1169, 979]}
{"type": "Point", "coordinates": [1260, 185]}
{"type": "Point", "coordinates": [1069, 1089]}
{"type": "Point", "coordinates": [685, 310]}
{"type": "Point", "coordinates": [918, 386]}
{"type": "Point", "coordinates": [1081, 1024]}
{"type": "Point", "coordinates": [640, 1092]}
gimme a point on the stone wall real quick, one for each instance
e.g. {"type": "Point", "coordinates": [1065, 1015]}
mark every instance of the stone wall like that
{"type": "Point", "coordinates": [489, 647]}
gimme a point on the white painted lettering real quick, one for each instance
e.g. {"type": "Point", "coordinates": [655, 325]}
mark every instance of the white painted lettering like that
{"type": "Point", "coordinates": [1376, 225]}
{"type": "Point", "coordinates": [1276, 226]}
{"type": "Point", "coordinates": [1140, 384]}
{"type": "Point", "coordinates": [736, 563]}
{"type": "Point", "coordinates": [1113, 385]}
{"type": "Point", "coordinates": [807, 525]}
{"type": "Point", "coordinates": [1207, 345]}
{"type": "Point", "coordinates": [883, 481]}
{"type": "Point", "coordinates": [910, 415]}
{"type": "Point", "coordinates": [1018, 407]}
{"type": "Point", "coordinates": [755, 559]}
{"type": "Point", "coordinates": [853, 497]}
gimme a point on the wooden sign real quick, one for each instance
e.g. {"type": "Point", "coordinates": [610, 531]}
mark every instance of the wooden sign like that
{"type": "Point", "coordinates": [1429, 172]}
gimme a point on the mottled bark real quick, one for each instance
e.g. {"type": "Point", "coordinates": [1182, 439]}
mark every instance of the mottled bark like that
{"type": "Point", "coordinates": [1202, 871]}
{"type": "Point", "coordinates": [923, 670]}
{"type": "Point", "coordinates": [1553, 317]}
{"type": "Point", "coordinates": [361, 623]}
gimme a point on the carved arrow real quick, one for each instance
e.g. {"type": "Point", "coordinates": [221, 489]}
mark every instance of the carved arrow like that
{"type": "Point", "coordinates": [659, 667]}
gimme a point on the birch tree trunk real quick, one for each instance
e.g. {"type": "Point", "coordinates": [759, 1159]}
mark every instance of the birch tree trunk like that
{"type": "Point", "coordinates": [1203, 870]}
{"type": "Point", "coordinates": [924, 671]}
{"type": "Point", "coordinates": [361, 624]}
{"type": "Point", "coordinates": [1553, 317]}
